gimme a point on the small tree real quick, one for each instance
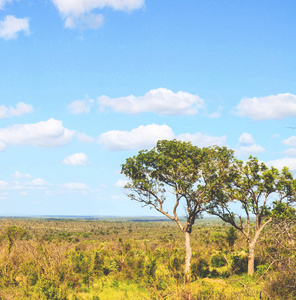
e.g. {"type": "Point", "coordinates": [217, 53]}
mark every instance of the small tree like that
{"type": "Point", "coordinates": [182, 171]}
{"type": "Point", "coordinates": [258, 189]}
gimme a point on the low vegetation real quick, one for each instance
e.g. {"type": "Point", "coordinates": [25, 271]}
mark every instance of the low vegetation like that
{"type": "Point", "coordinates": [124, 259]}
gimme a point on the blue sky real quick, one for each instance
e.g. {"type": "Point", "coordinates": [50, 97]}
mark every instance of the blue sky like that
{"type": "Point", "coordinates": [84, 84]}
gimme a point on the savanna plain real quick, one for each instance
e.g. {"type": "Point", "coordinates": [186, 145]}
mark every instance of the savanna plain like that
{"type": "Point", "coordinates": [122, 258]}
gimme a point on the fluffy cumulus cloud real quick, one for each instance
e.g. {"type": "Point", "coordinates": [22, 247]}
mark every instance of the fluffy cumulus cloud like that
{"type": "Point", "coordinates": [77, 159]}
{"type": "Point", "coordinates": [283, 162]}
{"type": "Point", "coordinates": [79, 13]}
{"type": "Point", "coordinates": [160, 101]}
{"type": "Point", "coordinates": [80, 106]}
{"type": "Point", "coordinates": [11, 26]}
{"type": "Point", "coordinates": [141, 137]}
{"type": "Point", "coordinates": [270, 107]}
{"type": "Point", "coordinates": [246, 139]}
{"type": "Point", "coordinates": [50, 133]}
{"type": "Point", "coordinates": [291, 141]}
{"type": "Point", "coordinates": [147, 136]}
{"type": "Point", "coordinates": [248, 146]}
{"type": "Point", "coordinates": [91, 21]}
{"type": "Point", "coordinates": [249, 150]}
{"type": "Point", "coordinates": [202, 140]}
{"type": "Point", "coordinates": [20, 109]}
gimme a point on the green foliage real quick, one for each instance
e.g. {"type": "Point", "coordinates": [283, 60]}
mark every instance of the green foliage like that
{"type": "Point", "coordinates": [142, 266]}
{"type": "Point", "coordinates": [200, 268]}
{"type": "Point", "coordinates": [254, 186]}
{"type": "Point", "coordinates": [48, 289]}
{"type": "Point", "coordinates": [283, 211]}
{"type": "Point", "coordinates": [181, 169]}
{"type": "Point", "coordinates": [231, 236]}
{"type": "Point", "coordinates": [218, 260]}
{"type": "Point", "coordinates": [239, 262]}
{"type": "Point", "coordinates": [13, 233]}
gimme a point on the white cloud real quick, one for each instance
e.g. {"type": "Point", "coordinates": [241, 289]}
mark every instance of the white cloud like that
{"type": "Point", "coordinates": [291, 141]}
{"type": "Point", "coordinates": [76, 186]}
{"type": "Point", "coordinates": [121, 183]}
{"type": "Point", "coordinates": [3, 2]}
{"type": "Point", "coordinates": [202, 140]}
{"type": "Point", "coordinates": [37, 182]}
{"type": "Point", "coordinates": [246, 139]}
{"type": "Point", "coordinates": [290, 152]}
{"type": "Point", "coordinates": [80, 106]}
{"type": "Point", "coordinates": [248, 146]}
{"type": "Point", "coordinates": [20, 109]}
{"type": "Point", "coordinates": [78, 159]}
{"type": "Point", "coordinates": [78, 7]}
{"type": "Point", "coordinates": [91, 21]}
{"type": "Point", "coordinates": [3, 184]}
{"type": "Point", "coordinates": [160, 101]}
{"type": "Point", "coordinates": [78, 12]}
{"type": "Point", "coordinates": [147, 136]}
{"type": "Point", "coordinates": [19, 175]}
{"type": "Point", "coordinates": [216, 114]}
{"type": "Point", "coordinates": [249, 150]}
{"type": "Point", "coordinates": [283, 162]}
{"type": "Point", "coordinates": [270, 107]}
{"type": "Point", "coordinates": [141, 137]}
{"type": "Point", "coordinates": [50, 133]}
{"type": "Point", "coordinates": [11, 26]}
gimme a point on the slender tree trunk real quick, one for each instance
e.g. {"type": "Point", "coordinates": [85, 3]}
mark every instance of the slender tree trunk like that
{"type": "Point", "coordinates": [188, 254]}
{"type": "Point", "coordinates": [252, 244]}
{"type": "Point", "coordinates": [251, 259]}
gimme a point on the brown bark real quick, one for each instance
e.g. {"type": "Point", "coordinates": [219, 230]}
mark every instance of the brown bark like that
{"type": "Point", "coordinates": [188, 253]}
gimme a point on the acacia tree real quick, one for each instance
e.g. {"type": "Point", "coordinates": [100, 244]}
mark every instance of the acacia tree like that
{"type": "Point", "coordinates": [176, 172]}
{"type": "Point", "coordinates": [259, 190]}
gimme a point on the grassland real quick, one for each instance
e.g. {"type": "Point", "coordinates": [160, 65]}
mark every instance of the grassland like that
{"type": "Point", "coordinates": [132, 259]}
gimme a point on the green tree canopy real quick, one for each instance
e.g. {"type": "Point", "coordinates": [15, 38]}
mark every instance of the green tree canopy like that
{"type": "Point", "coordinates": [176, 172]}
{"type": "Point", "coordinates": [261, 192]}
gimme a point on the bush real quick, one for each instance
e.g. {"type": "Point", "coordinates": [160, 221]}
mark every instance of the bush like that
{"type": "Point", "coordinates": [239, 262]}
{"type": "Point", "coordinates": [218, 260]}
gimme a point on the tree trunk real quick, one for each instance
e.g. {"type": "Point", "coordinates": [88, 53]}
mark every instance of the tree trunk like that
{"type": "Point", "coordinates": [188, 254]}
{"type": "Point", "coordinates": [251, 259]}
